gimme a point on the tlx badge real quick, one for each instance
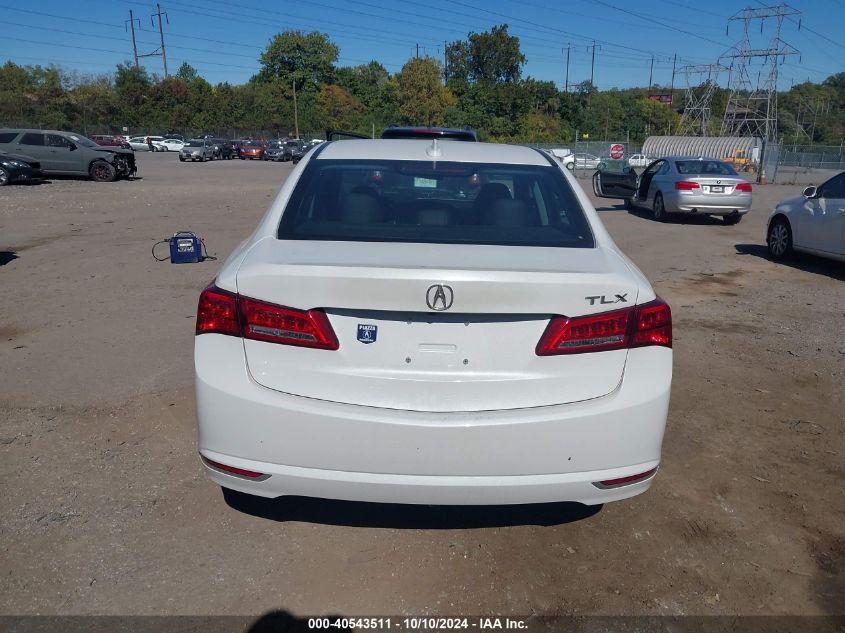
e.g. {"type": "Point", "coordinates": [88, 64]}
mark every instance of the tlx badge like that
{"type": "Point", "coordinates": [603, 300]}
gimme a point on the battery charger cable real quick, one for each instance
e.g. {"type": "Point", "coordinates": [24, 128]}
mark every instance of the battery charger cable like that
{"type": "Point", "coordinates": [205, 255]}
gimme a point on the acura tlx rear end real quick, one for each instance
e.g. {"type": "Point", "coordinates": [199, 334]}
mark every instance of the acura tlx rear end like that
{"type": "Point", "coordinates": [434, 324]}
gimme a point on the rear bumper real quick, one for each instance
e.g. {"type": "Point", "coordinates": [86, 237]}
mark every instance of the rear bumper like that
{"type": "Point", "coordinates": [322, 449]}
{"type": "Point", "coordinates": [706, 204]}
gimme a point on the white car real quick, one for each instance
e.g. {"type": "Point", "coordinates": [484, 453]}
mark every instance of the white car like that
{"type": "Point", "coordinates": [169, 145]}
{"type": "Point", "coordinates": [639, 160]}
{"type": "Point", "coordinates": [432, 323]}
{"type": "Point", "coordinates": [139, 143]}
{"type": "Point", "coordinates": [813, 222]}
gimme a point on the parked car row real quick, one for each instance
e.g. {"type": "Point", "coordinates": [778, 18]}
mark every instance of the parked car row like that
{"type": "Point", "coordinates": [54, 152]}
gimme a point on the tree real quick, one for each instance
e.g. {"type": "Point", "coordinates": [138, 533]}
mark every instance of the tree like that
{"type": "Point", "coordinates": [423, 99]}
{"type": "Point", "coordinates": [306, 58]}
{"type": "Point", "coordinates": [186, 73]}
{"type": "Point", "coordinates": [337, 109]}
{"type": "Point", "coordinates": [492, 56]}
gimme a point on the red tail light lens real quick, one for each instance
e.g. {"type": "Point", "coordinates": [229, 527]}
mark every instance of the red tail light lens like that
{"type": "Point", "coordinates": [218, 312]}
{"type": "Point", "coordinates": [686, 185]}
{"type": "Point", "coordinates": [277, 324]}
{"type": "Point", "coordinates": [224, 312]}
{"type": "Point", "coordinates": [744, 186]}
{"type": "Point", "coordinates": [638, 326]}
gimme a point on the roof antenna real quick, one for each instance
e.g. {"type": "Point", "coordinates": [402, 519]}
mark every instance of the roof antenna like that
{"type": "Point", "coordinates": [434, 149]}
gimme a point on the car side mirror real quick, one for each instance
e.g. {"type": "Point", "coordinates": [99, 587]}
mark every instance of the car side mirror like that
{"type": "Point", "coordinates": [810, 192]}
{"type": "Point", "coordinates": [72, 146]}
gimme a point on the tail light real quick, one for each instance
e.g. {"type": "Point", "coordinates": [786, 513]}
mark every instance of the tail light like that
{"type": "Point", "coordinates": [686, 185]}
{"type": "Point", "coordinates": [224, 312]}
{"type": "Point", "coordinates": [638, 326]}
{"type": "Point", "coordinates": [744, 186]}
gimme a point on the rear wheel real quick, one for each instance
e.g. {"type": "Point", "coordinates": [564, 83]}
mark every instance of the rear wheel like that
{"type": "Point", "coordinates": [4, 177]}
{"type": "Point", "coordinates": [101, 171]}
{"type": "Point", "coordinates": [659, 209]}
{"type": "Point", "coordinates": [629, 204]}
{"type": "Point", "coordinates": [779, 239]}
{"type": "Point", "coordinates": [731, 219]}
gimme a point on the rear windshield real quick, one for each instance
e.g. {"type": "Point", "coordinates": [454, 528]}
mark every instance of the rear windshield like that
{"type": "Point", "coordinates": [704, 168]}
{"type": "Point", "coordinates": [435, 202]}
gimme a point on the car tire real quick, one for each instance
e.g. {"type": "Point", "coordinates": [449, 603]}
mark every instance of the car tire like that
{"type": "Point", "coordinates": [659, 208]}
{"type": "Point", "coordinates": [5, 178]}
{"type": "Point", "coordinates": [779, 239]}
{"type": "Point", "coordinates": [570, 166]}
{"type": "Point", "coordinates": [629, 204]}
{"type": "Point", "coordinates": [731, 219]}
{"type": "Point", "coordinates": [102, 171]}
{"type": "Point", "coordinates": [181, 159]}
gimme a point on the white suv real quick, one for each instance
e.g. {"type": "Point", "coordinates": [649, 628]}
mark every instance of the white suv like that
{"type": "Point", "coordinates": [434, 323]}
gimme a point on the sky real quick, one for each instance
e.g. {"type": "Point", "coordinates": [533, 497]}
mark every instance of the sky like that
{"type": "Point", "coordinates": [223, 39]}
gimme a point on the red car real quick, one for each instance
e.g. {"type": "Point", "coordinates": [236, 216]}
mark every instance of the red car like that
{"type": "Point", "coordinates": [253, 149]}
{"type": "Point", "coordinates": [108, 140]}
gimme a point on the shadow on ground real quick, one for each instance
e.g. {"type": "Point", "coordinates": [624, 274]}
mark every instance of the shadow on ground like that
{"type": "Point", "coordinates": [401, 516]}
{"type": "Point", "coordinates": [800, 261]}
{"type": "Point", "coordinates": [6, 257]}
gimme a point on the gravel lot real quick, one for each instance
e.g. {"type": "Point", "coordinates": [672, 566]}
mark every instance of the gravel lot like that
{"type": "Point", "coordinates": [104, 507]}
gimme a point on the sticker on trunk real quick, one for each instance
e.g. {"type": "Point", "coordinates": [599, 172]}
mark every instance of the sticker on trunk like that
{"type": "Point", "coordinates": [367, 333]}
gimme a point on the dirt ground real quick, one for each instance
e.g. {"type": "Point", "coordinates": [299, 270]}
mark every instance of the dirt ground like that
{"type": "Point", "coordinates": [105, 509]}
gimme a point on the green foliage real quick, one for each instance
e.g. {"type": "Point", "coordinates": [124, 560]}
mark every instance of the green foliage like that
{"type": "Point", "coordinates": [483, 88]}
{"type": "Point", "coordinates": [423, 98]}
{"type": "Point", "coordinates": [306, 58]}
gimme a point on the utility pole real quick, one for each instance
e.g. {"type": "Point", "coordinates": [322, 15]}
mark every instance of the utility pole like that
{"type": "Point", "coordinates": [445, 61]}
{"type": "Point", "coordinates": [418, 51]}
{"type": "Point", "coordinates": [295, 112]}
{"type": "Point", "coordinates": [672, 85]}
{"type": "Point", "coordinates": [593, 67]}
{"type": "Point", "coordinates": [568, 46]}
{"type": "Point", "coordinates": [158, 14]}
{"type": "Point", "coordinates": [650, 73]}
{"type": "Point", "coordinates": [134, 44]}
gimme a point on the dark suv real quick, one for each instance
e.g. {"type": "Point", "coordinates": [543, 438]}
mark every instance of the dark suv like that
{"type": "Point", "coordinates": [224, 149]}
{"type": "Point", "coordinates": [442, 133]}
{"type": "Point", "coordinates": [69, 154]}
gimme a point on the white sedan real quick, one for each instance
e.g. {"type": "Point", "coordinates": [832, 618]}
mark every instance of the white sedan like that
{"type": "Point", "coordinates": [813, 222]}
{"type": "Point", "coordinates": [432, 323]}
{"type": "Point", "coordinates": [139, 143]}
{"type": "Point", "coordinates": [169, 145]}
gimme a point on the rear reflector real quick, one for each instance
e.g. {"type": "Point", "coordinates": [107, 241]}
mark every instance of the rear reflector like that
{"type": "Point", "coordinates": [686, 185]}
{"type": "Point", "coordinates": [638, 326]}
{"type": "Point", "coordinates": [622, 481]}
{"type": "Point", "coordinates": [744, 186]}
{"type": "Point", "coordinates": [233, 470]}
{"type": "Point", "coordinates": [223, 312]}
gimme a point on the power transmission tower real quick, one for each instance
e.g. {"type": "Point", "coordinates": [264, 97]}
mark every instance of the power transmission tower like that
{"type": "Point", "coordinates": [701, 82]}
{"type": "Point", "coordinates": [160, 51]}
{"type": "Point", "coordinates": [752, 106]}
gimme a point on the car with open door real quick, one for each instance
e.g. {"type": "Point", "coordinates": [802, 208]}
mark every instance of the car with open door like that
{"type": "Point", "coordinates": [418, 321]}
{"type": "Point", "coordinates": [682, 185]}
{"type": "Point", "coordinates": [813, 222]}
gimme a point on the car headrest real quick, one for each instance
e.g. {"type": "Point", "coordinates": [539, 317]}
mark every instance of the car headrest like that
{"type": "Point", "coordinates": [510, 213]}
{"type": "Point", "coordinates": [492, 191]}
{"type": "Point", "coordinates": [360, 208]}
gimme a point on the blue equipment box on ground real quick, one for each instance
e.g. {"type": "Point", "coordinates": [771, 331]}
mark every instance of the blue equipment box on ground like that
{"type": "Point", "coordinates": [185, 248]}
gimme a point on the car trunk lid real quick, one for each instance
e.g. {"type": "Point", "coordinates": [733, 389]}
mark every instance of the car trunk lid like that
{"type": "Point", "coordinates": [396, 352]}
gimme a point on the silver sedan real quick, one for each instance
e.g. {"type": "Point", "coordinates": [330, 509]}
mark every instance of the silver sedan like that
{"type": "Point", "coordinates": [676, 184]}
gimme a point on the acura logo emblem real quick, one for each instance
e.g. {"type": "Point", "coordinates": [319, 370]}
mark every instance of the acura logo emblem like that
{"type": "Point", "coordinates": [439, 297]}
